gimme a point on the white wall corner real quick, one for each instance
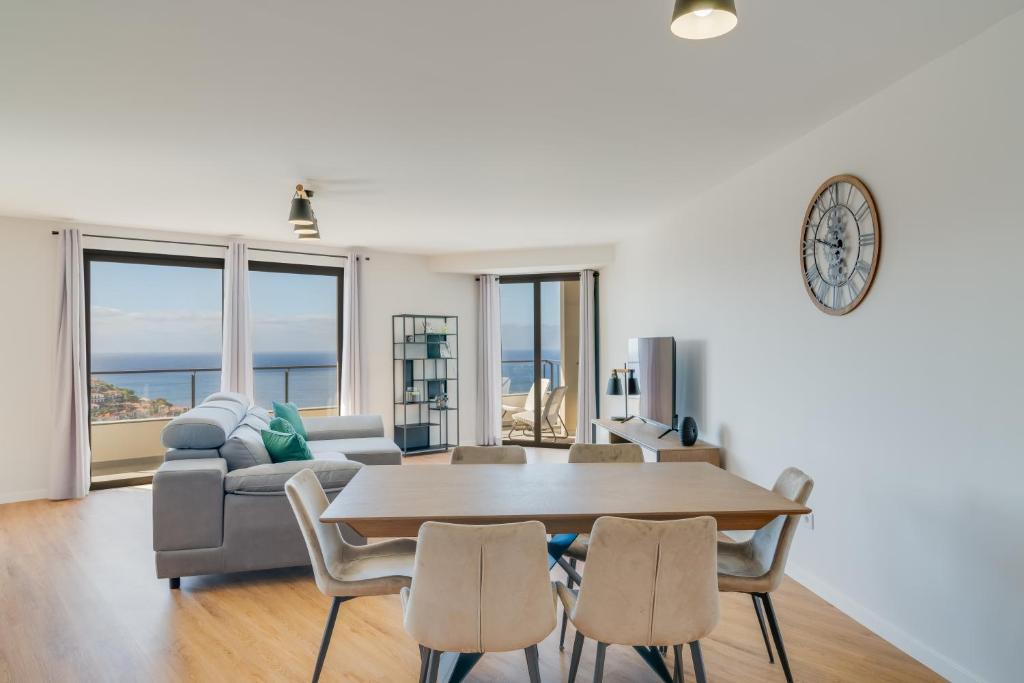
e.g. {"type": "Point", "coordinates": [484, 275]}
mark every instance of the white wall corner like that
{"type": "Point", "coordinates": [930, 657]}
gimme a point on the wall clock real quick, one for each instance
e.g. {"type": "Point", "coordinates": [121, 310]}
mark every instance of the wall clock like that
{"type": "Point", "coordinates": [840, 244]}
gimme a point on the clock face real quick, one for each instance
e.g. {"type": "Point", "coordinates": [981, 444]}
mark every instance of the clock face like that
{"type": "Point", "coordinates": [840, 244]}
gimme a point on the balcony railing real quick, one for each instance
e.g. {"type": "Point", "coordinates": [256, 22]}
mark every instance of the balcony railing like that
{"type": "Point", "coordinates": [549, 369]}
{"type": "Point", "coordinates": [194, 381]}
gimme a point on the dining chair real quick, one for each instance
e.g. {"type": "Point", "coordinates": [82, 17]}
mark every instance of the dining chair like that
{"type": "Point", "coordinates": [488, 455]}
{"type": "Point", "coordinates": [343, 571]}
{"type": "Point", "coordinates": [478, 589]}
{"type": "Point", "coordinates": [758, 565]}
{"type": "Point", "coordinates": [593, 453]}
{"type": "Point", "coordinates": [648, 584]}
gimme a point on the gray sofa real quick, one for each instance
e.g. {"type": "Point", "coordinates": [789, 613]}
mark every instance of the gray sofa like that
{"type": "Point", "coordinates": [218, 499]}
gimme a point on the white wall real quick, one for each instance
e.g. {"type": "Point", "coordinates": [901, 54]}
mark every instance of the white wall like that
{"type": "Point", "coordinates": [28, 256]}
{"type": "Point", "coordinates": [394, 283]}
{"type": "Point", "coordinates": [400, 283]}
{"type": "Point", "coordinates": [907, 412]}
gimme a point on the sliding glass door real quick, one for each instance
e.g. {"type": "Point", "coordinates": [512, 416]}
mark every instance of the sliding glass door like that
{"type": "Point", "coordinates": [540, 358]}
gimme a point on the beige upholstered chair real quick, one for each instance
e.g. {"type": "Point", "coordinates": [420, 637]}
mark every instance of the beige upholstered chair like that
{"type": "Point", "coordinates": [344, 571]}
{"type": "Point", "coordinates": [480, 589]}
{"type": "Point", "coordinates": [758, 565]}
{"type": "Point", "coordinates": [649, 584]}
{"type": "Point", "coordinates": [593, 453]}
{"type": "Point", "coordinates": [489, 455]}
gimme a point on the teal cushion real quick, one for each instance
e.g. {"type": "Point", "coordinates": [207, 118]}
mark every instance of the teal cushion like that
{"type": "Point", "coordinates": [279, 424]}
{"type": "Point", "coordinates": [290, 412]}
{"type": "Point", "coordinates": [284, 447]}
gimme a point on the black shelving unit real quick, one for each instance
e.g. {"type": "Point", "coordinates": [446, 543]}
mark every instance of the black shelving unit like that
{"type": "Point", "coordinates": [425, 372]}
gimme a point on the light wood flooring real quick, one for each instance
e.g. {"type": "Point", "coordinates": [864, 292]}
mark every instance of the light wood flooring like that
{"type": "Point", "coordinates": [79, 601]}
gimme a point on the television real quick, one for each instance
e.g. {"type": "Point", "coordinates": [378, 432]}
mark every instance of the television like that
{"type": "Point", "coordinates": [653, 360]}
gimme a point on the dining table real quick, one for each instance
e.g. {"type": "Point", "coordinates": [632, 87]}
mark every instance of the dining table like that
{"type": "Point", "coordinates": [395, 500]}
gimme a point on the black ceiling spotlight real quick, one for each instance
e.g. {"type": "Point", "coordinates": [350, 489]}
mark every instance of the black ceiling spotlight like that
{"type": "Point", "coordinates": [301, 214]}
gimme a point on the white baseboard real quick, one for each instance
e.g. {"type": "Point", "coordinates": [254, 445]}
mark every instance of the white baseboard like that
{"type": "Point", "coordinates": [930, 657]}
{"type": "Point", "coordinates": [20, 496]}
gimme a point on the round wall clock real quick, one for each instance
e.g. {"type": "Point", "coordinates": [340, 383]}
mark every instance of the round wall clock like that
{"type": "Point", "coordinates": [839, 244]}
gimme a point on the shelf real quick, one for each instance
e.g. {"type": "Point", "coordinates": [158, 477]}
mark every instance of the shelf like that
{"type": "Point", "coordinates": [415, 344]}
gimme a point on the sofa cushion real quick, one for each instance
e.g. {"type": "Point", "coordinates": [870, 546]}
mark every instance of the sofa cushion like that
{"type": "Point", "coordinates": [245, 446]}
{"type": "Point", "coordinates": [206, 426]}
{"type": "Point", "coordinates": [240, 399]}
{"type": "Point", "coordinates": [290, 412]}
{"type": "Point", "coordinates": [270, 479]}
{"type": "Point", "coordinates": [372, 451]}
{"type": "Point", "coordinates": [285, 446]}
{"type": "Point", "coordinates": [262, 414]}
{"type": "Point", "coordinates": [343, 427]}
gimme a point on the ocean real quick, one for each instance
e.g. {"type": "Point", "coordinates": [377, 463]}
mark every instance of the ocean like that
{"type": "Point", "coordinates": [307, 388]}
{"type": "Point", "coordinates": [517, 366]}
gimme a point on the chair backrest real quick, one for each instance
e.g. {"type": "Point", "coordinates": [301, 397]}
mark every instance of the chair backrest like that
{"type": "Point", "coordinates": [650, 583]}
{"type": "Point", "coordinates": [771, 543]}
{"type": "Point", "coordinates": [544, 384]}
{"type": "Point", "coordinates": [323, 541]}
{"type": "Point", "coordinates": [480, 588]}
{"type": "Point", "coordinates": [605, 452]}
{"type": "Point", "coordinates": [489, 455]}
{"type": "Point", "coordinates": [554, 402]}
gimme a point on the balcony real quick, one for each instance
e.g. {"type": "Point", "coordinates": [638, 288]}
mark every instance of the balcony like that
{"type": "Point", "coordinates": [125, 424]}
{"type": "Point", "coordinates": [558, 425]}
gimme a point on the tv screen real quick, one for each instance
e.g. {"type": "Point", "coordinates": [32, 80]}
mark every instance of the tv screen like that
{"type": "Point", "coordinates": [653, 360]}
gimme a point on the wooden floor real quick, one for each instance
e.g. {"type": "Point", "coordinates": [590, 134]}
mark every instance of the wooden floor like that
{"type": "Point", "coordinates": [79, 601]}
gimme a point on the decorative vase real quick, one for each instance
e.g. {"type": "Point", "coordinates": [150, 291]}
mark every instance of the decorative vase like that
{"type": "Point", "coordinates": [688, 434]}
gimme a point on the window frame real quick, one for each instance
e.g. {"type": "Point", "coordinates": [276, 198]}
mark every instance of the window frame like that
{"type": "Point", "coordinates": [307, 269]}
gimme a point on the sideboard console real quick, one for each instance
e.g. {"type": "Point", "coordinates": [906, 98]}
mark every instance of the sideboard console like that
{"type": "Point", "coordinates": [666, 448]}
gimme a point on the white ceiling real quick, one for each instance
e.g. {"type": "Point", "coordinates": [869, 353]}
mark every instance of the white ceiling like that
{"type": "Point", "coordinates": [428, 126]}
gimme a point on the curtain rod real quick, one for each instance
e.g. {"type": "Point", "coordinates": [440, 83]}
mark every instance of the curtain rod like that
{"type": "Point", "coordinates": [207, 244]}
{"type": "Point", "coordinates": [596, 274]}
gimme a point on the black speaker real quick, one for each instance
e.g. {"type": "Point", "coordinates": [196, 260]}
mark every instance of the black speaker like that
{"type": "Point", "coordinates": [688, 434]}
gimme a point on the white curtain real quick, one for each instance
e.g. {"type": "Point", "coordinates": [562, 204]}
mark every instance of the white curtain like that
{"type": "Point", "coordinates": [236, 352]}
{"type": "Point", "coordinates": [353, 369]}
{"type": "Point", "coordinates": [70, 456]}
{"type": "Point", "coordinates": [587, 400]}
{"type": "Point", "coordinates": [488, 362]}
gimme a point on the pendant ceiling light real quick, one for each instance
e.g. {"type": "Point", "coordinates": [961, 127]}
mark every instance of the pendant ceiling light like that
{"type": "Point", "coordinates": [309, 232]}
{"type": "Point", "coordinates": [302, 210]}
{"type": "Point", "coordinates": [700, 19]}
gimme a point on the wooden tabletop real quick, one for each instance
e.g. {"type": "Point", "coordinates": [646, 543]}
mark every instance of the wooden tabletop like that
{"type": "Point", "coordinates": [394, 500]}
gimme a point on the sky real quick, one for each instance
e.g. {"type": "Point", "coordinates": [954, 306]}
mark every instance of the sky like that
{"type": "Point", "coordinates": [177, 309]}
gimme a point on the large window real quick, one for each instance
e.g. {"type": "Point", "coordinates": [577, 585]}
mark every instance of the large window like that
{"type": "Point", "coordinates": [154, 332]}
{"type": "Point", "coordinates": [540, 358]}
{"type": "Point", "coordinates": [296, 326]}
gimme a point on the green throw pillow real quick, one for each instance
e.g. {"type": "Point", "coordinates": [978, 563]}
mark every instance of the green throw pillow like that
{"type": "Point", "coordinates": [290, 412]}
{"type": "Point", "coordinates": [279, 424]}
{"type": "Point", "coordinates": [284, 447]}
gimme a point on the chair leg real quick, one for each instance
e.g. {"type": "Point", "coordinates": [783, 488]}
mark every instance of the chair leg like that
{"type": "Point", "coordinates": [435, 664]}
{"type": "Point", "coordinates": [574, 663]}
{"type": "Point", "coordinates": [599, 662]}
{"type": "Point", "coordinates": [326, 640]}
{"type": "Point", "coordinates": [424, 663]}
{"type": "Point", "coordinates": [565, 615]}
{"type": "Point", "coordinates": [698, 662]}
{"type": "Point", "coordinates": [174, 582]}
{"type": "Point", "coordinates": [764, 629]}
{"type": "Point", "coordinates": [677, 677]}
{"type": "Point", "coordinates": [533, 663]}
{"type": "Point", "coordinates": [773, 622]}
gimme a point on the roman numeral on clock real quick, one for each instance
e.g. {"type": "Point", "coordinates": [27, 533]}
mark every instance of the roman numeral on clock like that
{"type": "Point", "coordinates": [867, 239]}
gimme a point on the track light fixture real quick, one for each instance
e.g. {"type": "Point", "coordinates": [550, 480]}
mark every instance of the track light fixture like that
{"type": "Point", "coordinates": [302, 216]}
{"type": "Point", "coordinates": [700, 19]}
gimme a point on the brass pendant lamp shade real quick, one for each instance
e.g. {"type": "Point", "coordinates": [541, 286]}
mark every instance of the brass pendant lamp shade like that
{"type": "Point", "coordinates": [701, 19]}
{"type": "Point", "coordinates": [302, 210]}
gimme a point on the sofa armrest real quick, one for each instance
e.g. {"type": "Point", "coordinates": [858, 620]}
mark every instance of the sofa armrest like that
{"type": "Point", "coordinates": [343, 427]}
{"type": "Point", "coordinates": [188, 504]}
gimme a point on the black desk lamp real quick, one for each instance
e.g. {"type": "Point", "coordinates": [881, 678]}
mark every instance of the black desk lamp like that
{"type": "Point", "coordinates": [615, 388]}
